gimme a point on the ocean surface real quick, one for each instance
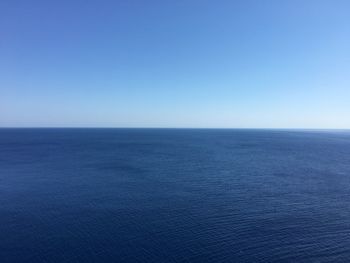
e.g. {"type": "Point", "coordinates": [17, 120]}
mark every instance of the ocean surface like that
{"type": "Point", "coordinates": [174, 195]}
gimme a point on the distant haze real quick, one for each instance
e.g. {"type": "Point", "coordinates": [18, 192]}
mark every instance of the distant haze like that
{"type": "Point", "coordinates": [193, 63]}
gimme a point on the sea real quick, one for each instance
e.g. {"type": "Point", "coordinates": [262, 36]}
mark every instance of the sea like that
{"type": "Point", "coordinates": [174, 195]}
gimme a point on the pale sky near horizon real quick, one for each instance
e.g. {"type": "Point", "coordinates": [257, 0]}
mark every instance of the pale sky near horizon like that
{"type": "Point", "coordinates": [179, 63]}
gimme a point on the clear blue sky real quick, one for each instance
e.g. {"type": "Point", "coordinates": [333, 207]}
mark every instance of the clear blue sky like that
{"type": "Point", "coordinates": [179, 63]}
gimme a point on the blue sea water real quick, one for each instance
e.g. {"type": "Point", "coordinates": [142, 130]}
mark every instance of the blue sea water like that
{"type": "Point", "coordinates": [174, 195]}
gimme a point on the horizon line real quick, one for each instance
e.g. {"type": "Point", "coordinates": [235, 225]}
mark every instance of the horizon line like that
{"type": "Point", "coordinates": [179, 128]}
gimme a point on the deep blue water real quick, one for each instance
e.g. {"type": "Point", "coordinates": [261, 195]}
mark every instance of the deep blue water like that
{"type": "Point", "coordinates": [174, 195]}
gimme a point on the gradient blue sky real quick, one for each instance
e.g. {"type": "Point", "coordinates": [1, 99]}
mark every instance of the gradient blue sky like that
{"type": "Point", "coordinates": [179, 63]}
